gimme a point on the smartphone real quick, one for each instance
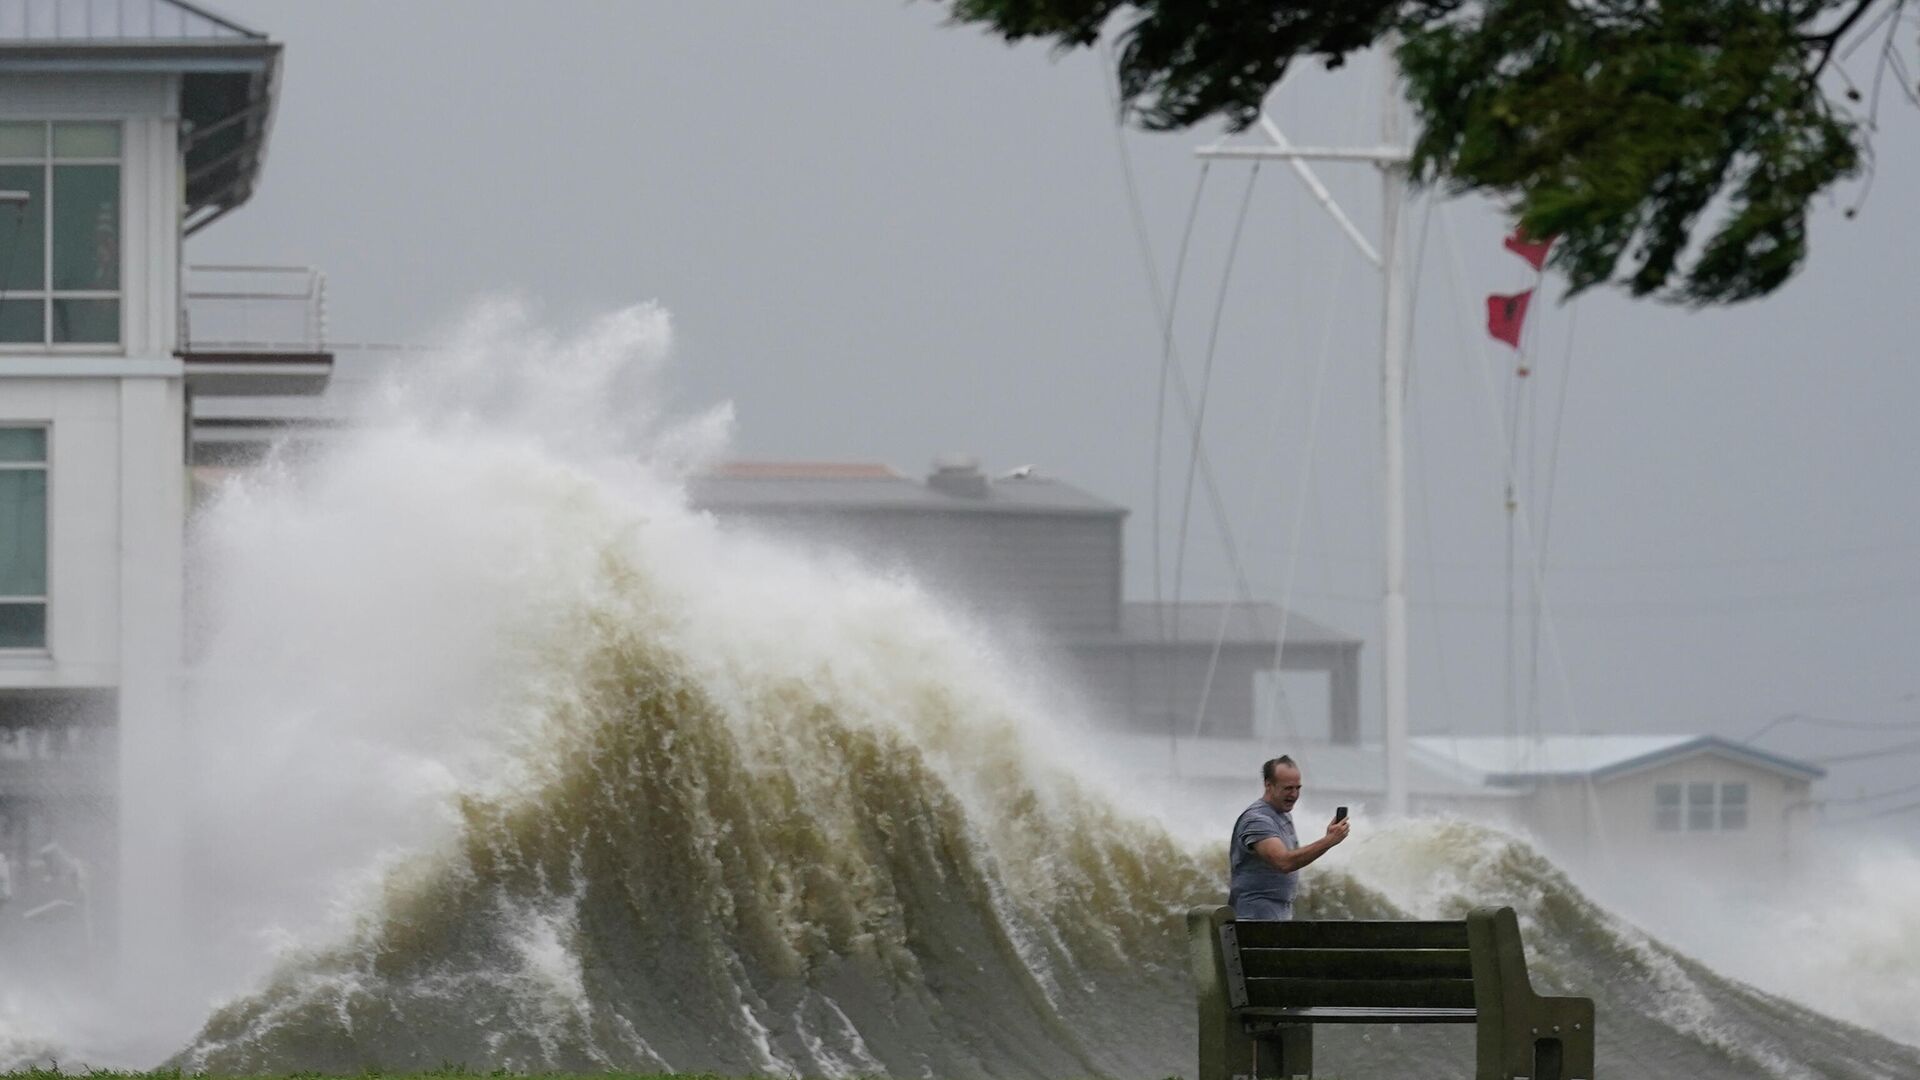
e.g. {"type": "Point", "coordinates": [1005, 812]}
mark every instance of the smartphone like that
{"type": "Point", "coordinates": [1339, 814]}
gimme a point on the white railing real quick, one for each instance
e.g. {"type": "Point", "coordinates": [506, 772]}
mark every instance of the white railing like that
{"type": "Point", "coordinates": [228, 308]}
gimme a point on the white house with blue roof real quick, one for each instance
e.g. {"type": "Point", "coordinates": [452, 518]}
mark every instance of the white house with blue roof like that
{"type": "Point", "coordinates": [1689, 799]}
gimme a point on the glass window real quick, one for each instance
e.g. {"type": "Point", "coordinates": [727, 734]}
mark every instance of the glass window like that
{"type": "Point", "coordinates": [60, 246]}
{"type": "Point", "coordinates": [22, 446]}
{"type": "Point", "coordinates": [1666, 807]}
{"type": "Point", "coordinates": [86, 227]}
{"type": "Point", "coordinates": [86, 140]}
{"type": "Point", "coordinates": [23, 626]}
{"type": "Point", "coordinates": [1699, 807]}
{"type": "Point", "coordinates": [1733, 806]}
{"type": "Point", "coordinates": [23, 228]}
{"type": "Point", "coordinates": [22, 321]}
{"type": "Point", "coordinates": [86, 320]}
{"type": "Point", "coordinates": [23, 141]}
{"type": "Point", "coordinates": [23, 537]}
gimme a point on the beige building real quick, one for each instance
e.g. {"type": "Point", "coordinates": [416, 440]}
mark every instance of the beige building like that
{"type": "Point", "coordinates": [1695, 800]}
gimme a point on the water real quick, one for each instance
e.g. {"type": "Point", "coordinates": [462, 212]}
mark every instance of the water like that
{"type": "Point", "coordinates": [507, 758]}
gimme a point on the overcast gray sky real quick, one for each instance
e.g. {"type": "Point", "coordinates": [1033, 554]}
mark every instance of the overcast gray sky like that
{"type": "Point", "coordinates": [883, 238]}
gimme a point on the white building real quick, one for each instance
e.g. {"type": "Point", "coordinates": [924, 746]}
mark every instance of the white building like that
{"type": "Point", "coordinates": [1694, 802]}
{"type": "Point", "coordinates": [125, 126]}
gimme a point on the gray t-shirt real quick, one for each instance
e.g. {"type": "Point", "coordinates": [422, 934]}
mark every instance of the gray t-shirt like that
{"type": "Point", "coordinates": [1250, 875]}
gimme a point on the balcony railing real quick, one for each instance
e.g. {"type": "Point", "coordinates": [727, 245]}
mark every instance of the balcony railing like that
{"type": "Point", "coordinates": [254, 309]}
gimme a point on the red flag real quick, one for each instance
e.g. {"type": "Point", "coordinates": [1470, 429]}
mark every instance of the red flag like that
{"type": "Point", "coordinates": [1506, 314]}
{"type": "Point", "coordinates": [1534, 251]}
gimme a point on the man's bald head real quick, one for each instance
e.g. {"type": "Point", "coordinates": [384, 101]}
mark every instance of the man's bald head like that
{"type": "Point", "coordinates": [1282, 779]}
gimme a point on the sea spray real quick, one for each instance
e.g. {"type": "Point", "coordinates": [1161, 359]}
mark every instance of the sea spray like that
{"type": "Point", "coordinates": [1439, 868]}
{"type": "Point", "coordinates": [1837, 928]}
{"type": "Point", "coordinates": [523, 764]}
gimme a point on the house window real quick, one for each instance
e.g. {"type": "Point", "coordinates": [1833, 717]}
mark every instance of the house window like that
{"type": "Point", "coordinates": [23, 537]}
{"type": "Point", "coordinates": [59, 234]}
{"type": "Point", "coordinates": [1700, 807]}
{"type": "Point", "coordinates": [1666, 807]}
{"type": "Point", "coordinates": [1733, 806]}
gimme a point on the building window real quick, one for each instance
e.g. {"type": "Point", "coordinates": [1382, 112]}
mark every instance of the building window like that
{"type": "Point", "coordinates": [59, 234]}
{"type": "Point", "coordinates": [23, 537]}
{"type": "Point", "coordinates": [1702, 812]}
{"type": "Point", "coordinates": [1666, 807]}
{"type": "Point", "coordinates": [1733, 806]}
{"type": "Point", "coordinates": [1699, 807]}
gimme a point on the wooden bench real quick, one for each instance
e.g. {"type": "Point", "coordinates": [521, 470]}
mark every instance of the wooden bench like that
{"type": "Point", "coordinates": [1263, 985]}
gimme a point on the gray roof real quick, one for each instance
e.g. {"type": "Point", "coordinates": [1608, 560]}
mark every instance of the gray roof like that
{"type": "Point", "coordinates": [228, 75]}
{"type": "Point", "coordinates": [1327, 767]}
{"type": "Point", "coordinates": [118, 21]}
{"type": "Point", "coordinates": [1498, 760]}
{"type": "Point", "coordinates": [1228, 623]}
{"type": "Point", "coordinates": [841, 488]}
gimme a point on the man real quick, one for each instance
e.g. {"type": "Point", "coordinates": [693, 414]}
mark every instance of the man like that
{"type": "Point", "coordinates": [1266, 856]}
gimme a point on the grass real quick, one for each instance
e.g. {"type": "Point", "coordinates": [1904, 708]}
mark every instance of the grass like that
{"type": "Point", "coordinates": [445, 1072]}
{"type": "Point", "coordinates": [450, 1072]}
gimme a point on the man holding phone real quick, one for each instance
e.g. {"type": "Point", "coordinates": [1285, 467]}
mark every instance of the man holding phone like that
{"type": "Point", "coordinates": [1266, 856]}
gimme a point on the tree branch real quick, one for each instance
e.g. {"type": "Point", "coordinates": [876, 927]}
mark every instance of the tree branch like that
{"type": "Point", "coordinates": [1830, 40]}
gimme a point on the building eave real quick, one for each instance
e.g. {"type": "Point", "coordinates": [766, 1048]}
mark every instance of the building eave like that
{"type": "Point", "coordinates": [1705, 744]}
{"type": "Point", "coordinates": [228, 91]}
{"type": "Point", "coordinates": [147, 56]}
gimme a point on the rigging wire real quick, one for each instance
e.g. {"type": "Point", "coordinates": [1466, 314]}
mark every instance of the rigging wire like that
{"type": "Point", "coordinates": [1863, 755]}
{"type": "Point", "coordinates": [1174, 371]}
{"type": "Point", "coordinates": [1831, 722]}
{"type": "Point", "coordinates": [1904, 808]}
{"type": "Point", "coordinates": [1160, 395]}
{"type": "Point", "coordinates": [1596, 815]}
{"type": "Point", "coordinates": [1546, 512]}
{"type": "Point", "coordinates": [1854, 800]}
{"type": "Point", "coordinates": [1162, 313]}
{"type": "Point", "coordinates": [1525, 524]}
{"type": "Point", "coordinates": [1206, 382]}
{"type": "Point", "coordinates": [1199, 428]}
{"type": "Point", "coordinates": [1304, 497]}
{"type": "Point", "coordinates": [1447, 703]}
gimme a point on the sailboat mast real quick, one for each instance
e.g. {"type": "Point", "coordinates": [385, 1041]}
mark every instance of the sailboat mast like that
{"type": "Point", "coordinates": [1391, 158]}
{"type": "Point", "coordinates": [1393, 398]}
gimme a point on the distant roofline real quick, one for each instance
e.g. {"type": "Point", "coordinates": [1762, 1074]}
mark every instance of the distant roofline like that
{"type": "Point", "coordinates": [827, 488]}
{"type": "Point", "coordinates": [802, 470]}
{"type": "Point", "coordinates": [1714, 743]}
{"type": "Point", "coordinates": [213, 16]}
{"type": "Point", "coordinates": [117, 31]}
{"type": "Point", "coordinates": [1686, 746]}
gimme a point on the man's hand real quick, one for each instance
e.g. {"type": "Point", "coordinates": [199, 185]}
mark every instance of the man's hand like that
{"type": "Point", "coordinates": [1275, 852]}
{"type": "Point", "coordinates": [1337, 831]}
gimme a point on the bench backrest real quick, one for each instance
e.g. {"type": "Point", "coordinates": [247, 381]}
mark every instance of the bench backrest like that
{"type": "Point", "coordinates": [1349, 964]}
{"type": "Point", "coordinates": [1474, 969]}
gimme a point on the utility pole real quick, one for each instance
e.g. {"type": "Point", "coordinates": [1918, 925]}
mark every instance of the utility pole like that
{"type": "Point", "coordinates": [1391, 158]}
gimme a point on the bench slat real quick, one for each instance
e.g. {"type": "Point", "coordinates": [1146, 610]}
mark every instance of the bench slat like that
{"type": "Point", "coordinates": [1362, 993]}
{"type": "Point", "coordinates": [1337, 1015]}
{"type": "Point", "coordinates": [1351, 934]}
{"type": "Point", "coordinates": [1356, 963]}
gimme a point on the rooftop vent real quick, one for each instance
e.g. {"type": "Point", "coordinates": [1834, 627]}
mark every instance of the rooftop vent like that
{"type": "Point", "coordinates": [958, 474]}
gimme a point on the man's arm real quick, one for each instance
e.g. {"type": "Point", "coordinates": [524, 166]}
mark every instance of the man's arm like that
{"type": "Point", "coordinates": [1275, 852]}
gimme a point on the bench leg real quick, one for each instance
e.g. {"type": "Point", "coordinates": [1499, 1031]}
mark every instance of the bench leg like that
{"type": "Point", "coordinates": [1553, 1040]}
{"type": "Point", "coordinates": [1284, 1052]}
{"type": "Point", "coordinates": [1226, 1050]}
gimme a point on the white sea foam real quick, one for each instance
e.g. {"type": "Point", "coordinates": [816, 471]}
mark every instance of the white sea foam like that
{"type": "Point", "coordinates": [1838, 932]}
{"type": "Point", "coordinates": [383, 623]}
